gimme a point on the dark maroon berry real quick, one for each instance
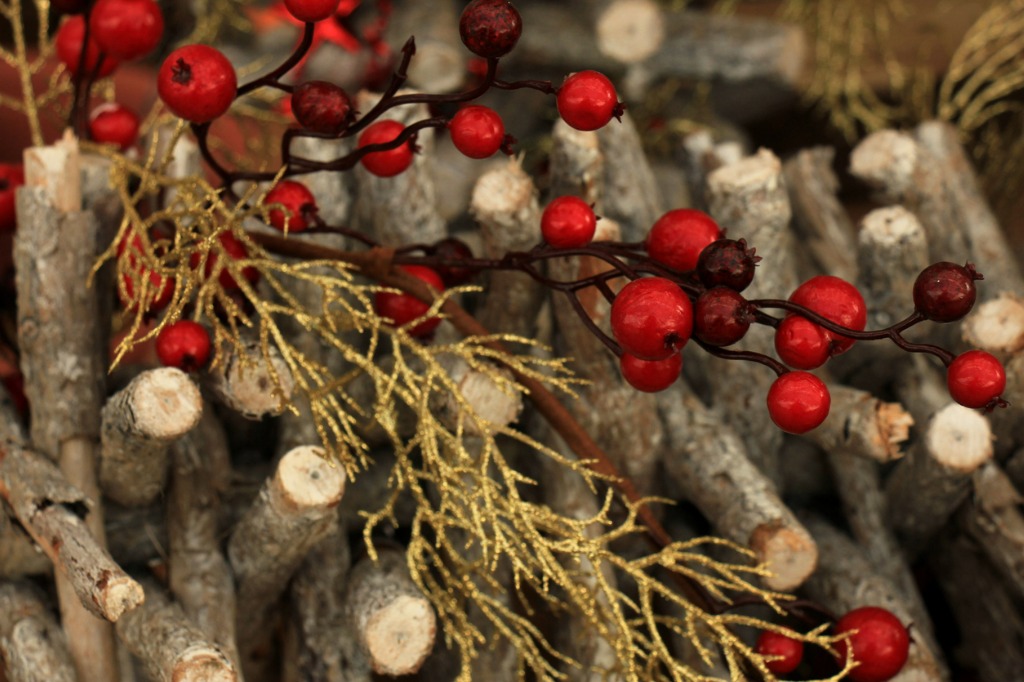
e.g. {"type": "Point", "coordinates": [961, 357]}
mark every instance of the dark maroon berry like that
{"type": "Point", "coordinates": [721, 317]}
{"type": "Point", "coordinates": [453, 249]}
{"type": "Point", "coordinates": [945, 292]}
{"type": "Point", "coordinates": [490, 28]}
{"type": "Point", "coordinates": [727, 263]}
{"type": "Point", "coordinates": [321, 107]}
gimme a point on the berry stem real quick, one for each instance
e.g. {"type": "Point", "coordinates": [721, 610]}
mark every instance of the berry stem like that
{"type": "Point", "coordinates": [273, 79]}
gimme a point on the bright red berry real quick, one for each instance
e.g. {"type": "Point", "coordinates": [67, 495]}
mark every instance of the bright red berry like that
{"type": "Point", "coordinates": [798, 402]}
{"type": "Point", "coordinates": [477, 131]}
{"type": "Point", "coordinates": [975, 378]}
{"type": "Point", "coordinates": [945, 292]}
{"type": "Point", "coordinates": [789, 651]}
{"type": "Point", "coordinates": [721, 317]}
{"type": "Point", "coordinates": [727, 263]}
{"type": "Point", "coordinates": [490, 28]}
{"type": "Point", "coordinates": [299, 203]}
{"type": "Point", "coordinates": [652, 318]}
{"type": "Point", "coordinates": [801, 344]}
{"type": "Point", "coordinates": [678, 237]}
{"type": "Point", "coordinates": [69, 49]}
{"type": "Point", "coordinates": [12, 176]}
{"type": "Point", "coordinates": [114, 124]}
{"type": "Point", "coordinates": [879, 643]}
{"type": "Point", "coordinates": [836, 300]}
{"type": "Point", "coordinates": [197, 83]}
{"type": "Point", "coordinates": [126, 29]}
{"type": "Point", "coordinates": [402, 309]}
{"type": "Point", "coordinates": [568, 222]}
{"type": "Point", "coordinates": [455, 250]}
{"type": "Point", "coordinates": [651, 376]}
{"type": "Point", "coordinates": [312, 10]}
{"type": "Point", "coordinates": [235, 250]}
{"type": "Point", "coordinates": [183, 344]}
{"type": "Point", "coordinates": [587, 100]}
{"type": "Point", "coordinates": [390, 162]}
{"type": "Point", "coordinates": [321, 107]}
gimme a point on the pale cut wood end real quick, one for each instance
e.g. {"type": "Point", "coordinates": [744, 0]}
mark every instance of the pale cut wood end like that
{"type": "Point", "coordinates": [168, 405]}
{"type": "Point", "coordinates": [400, 636]}
{"type": "Point", "coordinates": [789, 553]}
{"type": "Point", "coordinates": [307, 479]}
{"type": "Point", "coordinates": [959, 438]}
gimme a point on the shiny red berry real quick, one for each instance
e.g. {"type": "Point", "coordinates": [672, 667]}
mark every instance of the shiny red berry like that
{"type": "Point", "coordinates": [651, 376]}
{"type": "Point", "coordinates": [568, 222]}
{"type": "Point", "coordinates": [477, 131]}
{"type": "Point", "coordinates": [126, 29]}
{"type": "Point", "coordinates": [789, 651]}
{"type": "Point", "coordinates": [321, 107]}
{"type": "Point", "coordinates": [402, 309]}
{"type": "Point", "coordinates": [878, 642]}
{"type": "Point", "coordinates": [490, 28]}
{"type": "Point", "coordinates": [455, 250]}
{"type": "Point", "coordinates": [721, 317]}
{"type": "Point", "coordinates": [975, 378]}
{"type": "Point", "coordinates": [312, 10]}
{"type": "Point", "coordinates": [801, 344]}
{"type": "Point", "coordinates": [651, 318]}
{"type": "Point", "coordinates": [727, 263]}
{"type": "Point", "coordinates": [235, 250]}
{"type": "Point", "coordinates": [390, 162]}
{"type": "Point", "coordinates": [945, 292]}
{"type": "Point", "coordinates": [12, 176]}
{"type": "Point", "coordinates": [678, 237]}
{"type": "Point", "coordinates": [798, 402]}
{"type": "Point", "coordinates": [69, 49]}
{"type": "Point", "coordinates": [587, 100]}
{"type": "Point", "coordinates": [197, 83]}
{"type": "Point", "coordinates": [183, 344]}
{"type": "Point", "coordinates": [114, 124]}
{"type": "Point", "coordinates": [836, 300]}
{"type": "Point", "coordinates": [298, 202]}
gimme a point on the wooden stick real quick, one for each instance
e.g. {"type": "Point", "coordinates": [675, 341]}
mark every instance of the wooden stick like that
{"type": "Point", "coordinates": [494, 406]}
{"type": "Point", "coordinates": [628, 31]}
{"type": "Point", "coordinates": [31, 642]}
{"type": "Point", "coordinates": [394, 622]}
{"type": "Point", "coordinates": [993, 518]}
{"type": "Point", "coordinates": [250, 384]}
{"type": "Point", "coordinates": [997, 326]}
{"type": "Point", "coordinates": [630, 192]}
{"type": "Point", "coordinates": [11, 427]}
{"type": "Point", "coordinates": [862, 425]}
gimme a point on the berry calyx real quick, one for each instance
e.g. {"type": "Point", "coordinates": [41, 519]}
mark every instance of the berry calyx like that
{"type": "Point", "coordinates": [477, 131]}
{"type": "Point", "coordinates": [183, 344]}
{"type": "Point", "coordinates": [68, 43]}
{"type": "Point", "coordinates": [651, 376]}
{"type": "Point", "coordinates": [836, 300]}
{"type": "Point", "coordinates": [798, 402]}
{"type": "Point", "coordinates": [12, 176]}
{"type": "Point", "coordinates": [197, 83]}
{"type": "Point", "coordinates": [126, 29]}
{"type": "Point", "coordinates": [651, 318]}
{"type": "Point", "coordinates": [878, 642]}
{"type": "Point", "coordinates": [390, 162]}
{"type": "Point", "coordinates": [975, 378]}
{"type": "Point", "coordinates": [321, 107]}
{"type": "Point", "coordinates": [677, 239]}
{"type": "Point", "coordinates": [114, 124]}
{"type": "Point", "coordinates": [312, 10]}
{"type": "Point", "coordinates": [801, 344]}
{"type": "Point", "coordinates": [587, 100]}
{"type": "Point", "coordinates": [490, 28]}
{"type": "Point", "coordinates": [945, 292]}
{"type": "Point", "coordinates": [788, 650]}
{"type": "Point", "coordinates": [727, 263]}
{"type": "Point", "coordinates": [568, 222]}
{"type": "Point", "coordinates": [235, 250]}
{"type": "Point", "coordinates": [402, 309]}
{"type": "Point", "coordinates": [721, 317]}
{"type": "Point", "coordinates": [299, 206]}
{"type": "Point", "coordinates": [456, 250]}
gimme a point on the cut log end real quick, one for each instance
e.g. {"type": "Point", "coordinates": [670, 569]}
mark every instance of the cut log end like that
{"type": "Point", "coordinates": [203, 664]}
{"type": "Point", "coordinates": [886, 159]}
{"type": "Point", "coordinates": [506, 190]}
{"type": "Point", "coordinates": [307, 479]}
{"type": "Point", "coordinates": [119, 595]}
{"type": "Point", "coordinates": [890, 227]}
{"type": "Point", "coordinates": [400, 636]}
{"type": "Point", "coordinates": [630, 31]}
{"type": "Point", "coordinates": [763, 169]}
{"type": "Point", "coordinates": [788, 553]}
{"type": "Point", "coordinates": [168, 406]}
{"type": "Point", "coordinates": [959, 439]}
{"type": "Point", "coordinates": [997, 326]}
{"type": "Point", "coordinates": [894, 424]}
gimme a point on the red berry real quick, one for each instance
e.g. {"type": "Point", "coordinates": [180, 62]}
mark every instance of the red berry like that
{"type": "Point", "coordinates": [727, 263]}
{"type": "Point", "coordinates": [790, 651]}
{"type": "Point", "coordinates": [321, 107]}
{"type": "Point", "coordinates": [568, 222]}
{"type": "Point", "coordinates": [490, 28]}
{"type": "Point", "coordinates": [945, 292]}
{"type": "Point", "coordinates": [721, 317]}
{"type": "Point", "coordinates": [197, 83]}
{"type": "Point", "coordinates": [456, 250]}
{"type": "Point", "coordinates": [312, 10]}
{"type": "Point", "coordinates": [12, 176]}
{"type": "Point", "coordinates": [126, 29]}
{"type": "Point", "coordinates": [836, 300]}
{"type": "Point", "coordinates": [114, 124]}
{"type": "Point", "coordinates": [402, 309]}
{"type": "Point", "coordinates": [879, 642]}
{"type": "Point", "coordinates": [651, 376]}
{"type": "Point", "coordinates": [801, 344]}
{"type": "Point", "coordinates": [236, 250]}
{"type": "Point", "coordinates": [477, 131]}
{"type": "Point", "coordinates": [69, 49]}
{"type": "Point", "coordinates": [183, 344]}
{"type": "Point", "coordinates": [390, 162]}
{"type": "Point", "coordinates": [678, 237]}
{"type": "Point", "coordinates": [975, 378]}
{"type": "Point", "coordinates": [798, 402]}
{"type": "Point", "coordinates": [587, 100]}
{"type": "Point", "coordinates": [299, 203]}
{"type": "Point", "coordinates": [652, 318]}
